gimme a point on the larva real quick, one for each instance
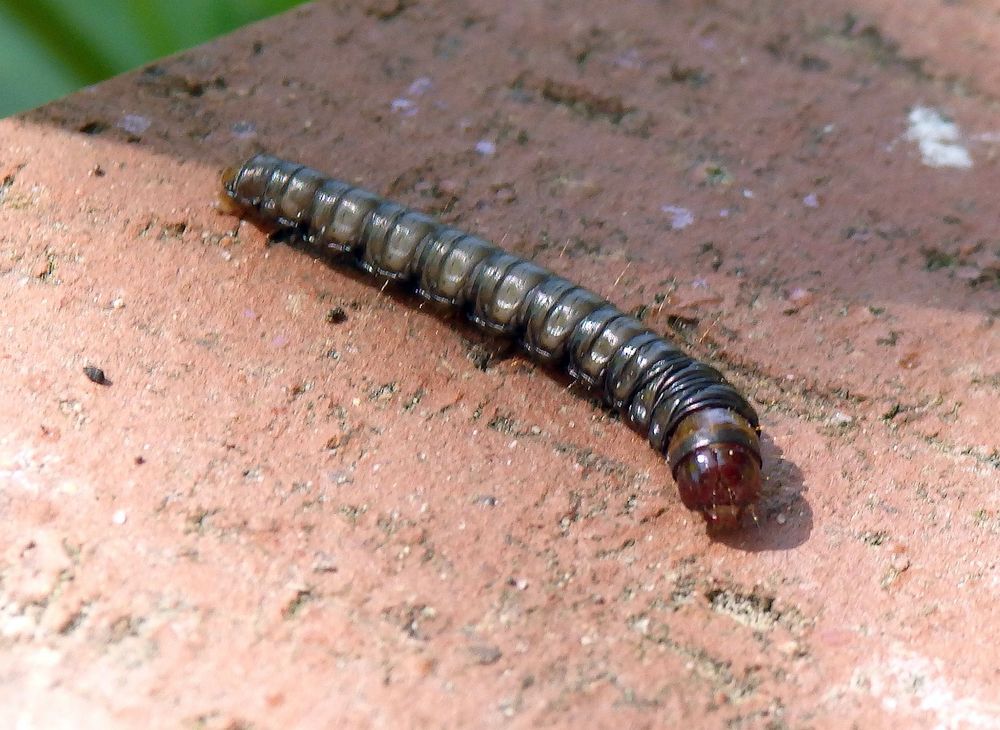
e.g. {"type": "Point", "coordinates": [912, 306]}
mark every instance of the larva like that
{"type": "Point", "coordinates": [685, 408]}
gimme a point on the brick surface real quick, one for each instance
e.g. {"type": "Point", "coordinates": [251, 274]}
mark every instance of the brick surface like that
{"type": "Point", "coordinates": [268, 519]}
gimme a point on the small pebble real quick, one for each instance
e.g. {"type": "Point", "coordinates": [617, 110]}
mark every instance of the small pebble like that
{"type": "Point", "coordinates": [789, 648]}
{"type": "Point", "coordinates": [119, 517]}
{"type": "Point", "coordinates": [840, 419]}
{"type": "Point", "coordinates": [42, 268]}
{"type": "Point", "coordinates": [485, 654]}
{"type": "Point", "coordinates": [486, 148]}
{"type": "Point", "coordinates": [96, 375]}
{"type": "Point", "coordinates": [900, 563]}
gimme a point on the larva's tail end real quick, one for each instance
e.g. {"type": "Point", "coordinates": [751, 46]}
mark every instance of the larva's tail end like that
{"type": "Point", "coordinates": [228, 179]}
{"type": "Point", "coordinates": [227, 206]}
{"type": "Point", "coordinates": [717, 466]}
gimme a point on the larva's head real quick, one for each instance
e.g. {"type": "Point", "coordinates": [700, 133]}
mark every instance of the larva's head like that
{"type": "Point", "coordinates": [715, 457]}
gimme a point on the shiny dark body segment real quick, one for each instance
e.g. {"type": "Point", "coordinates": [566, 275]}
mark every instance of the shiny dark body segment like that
{"type": "Point", "coordinates": [686, 409]}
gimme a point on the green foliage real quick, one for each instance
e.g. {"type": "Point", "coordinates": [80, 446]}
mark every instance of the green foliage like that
{"type": "Point", "coordinates": [51, 47]}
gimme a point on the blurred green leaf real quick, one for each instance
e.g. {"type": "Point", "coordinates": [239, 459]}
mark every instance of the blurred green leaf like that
{"type": "Point", "coordinates": [51, 47]}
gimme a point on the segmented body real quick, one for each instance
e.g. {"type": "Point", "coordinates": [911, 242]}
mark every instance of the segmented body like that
{"type": "Point", "coordinates": [685, 408]}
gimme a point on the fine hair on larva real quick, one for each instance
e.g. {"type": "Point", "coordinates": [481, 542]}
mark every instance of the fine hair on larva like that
{"type": "Point", "coordinates": [686, 409]}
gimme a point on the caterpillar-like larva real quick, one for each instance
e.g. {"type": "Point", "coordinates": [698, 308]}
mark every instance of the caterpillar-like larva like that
{"type": "Point", "coordinates": [687, 410]}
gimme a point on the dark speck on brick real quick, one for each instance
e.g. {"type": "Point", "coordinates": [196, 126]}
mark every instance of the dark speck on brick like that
{"type": "Point", "coordinates": [337, 315]}
{"type": "Point", "coordinates": [96, 375]}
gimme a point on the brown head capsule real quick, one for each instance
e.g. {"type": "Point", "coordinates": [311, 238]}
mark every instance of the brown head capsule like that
{"type": "Point", "coordinates": [715, 457]}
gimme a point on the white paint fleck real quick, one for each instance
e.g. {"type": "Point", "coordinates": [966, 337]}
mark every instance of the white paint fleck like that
{"type": "Point", "coordinates": [15, 470]}
{"type": "Point", "coordinates": [404, 106]}
{"type": "Point", "coordinates": [800, 297]}
{"type": "Point", "coordinates": [119, 517]}
{"type": "Point", "coordinates": [680, 218]}
{"type": "Point", "coordinates": [630, 59]}
{"type": "Point", "coordinates": [810, 201]}
{"type": "Point", "coordinates": [486, 148]}
{"type": "Point", "coordinates": [244, 129]}
{"type": "Point", "coordinates": [747, 193]}
{"type": "Point", "coordinates": [724, 213]}
{"type": "Point", "coordinates": [421, 85]}
{"type": "Point", "coordinates": [938, 138]}
{"type": "Point", "coordinates": [134, 123]}
{"type": "Point", "coordinates": [840, 419]}
{"type": "Point", "coordinates": [908, 683]}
